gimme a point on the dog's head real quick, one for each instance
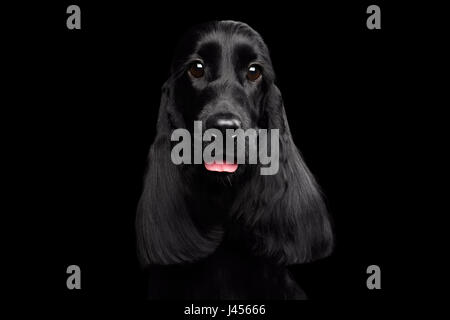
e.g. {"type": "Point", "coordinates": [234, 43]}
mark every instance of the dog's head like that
{"type": "Point", "coordinates": [222, 76]}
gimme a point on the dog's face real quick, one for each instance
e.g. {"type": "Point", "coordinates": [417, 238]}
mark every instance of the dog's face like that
{"type": "Point", "coordinates": [221, 73]}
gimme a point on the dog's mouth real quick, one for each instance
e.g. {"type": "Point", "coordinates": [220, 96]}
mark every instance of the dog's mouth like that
{"type": "Point", "coordinates": [221, 167]}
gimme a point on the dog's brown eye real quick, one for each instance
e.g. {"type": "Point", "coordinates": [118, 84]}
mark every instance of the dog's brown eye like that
{"type": "Point", "coordinates": [197, 70]}
{"type": "Point", "coordinates": [253, 72]}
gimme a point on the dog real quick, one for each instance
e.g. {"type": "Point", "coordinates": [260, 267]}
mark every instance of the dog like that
{"type": "Point", "coordinates": [226, 231]}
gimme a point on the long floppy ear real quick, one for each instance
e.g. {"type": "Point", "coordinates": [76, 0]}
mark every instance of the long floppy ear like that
{"type": "Point", "coordinates": [283, 216]}
{"type": "Point", "coordinates": [166, 234]}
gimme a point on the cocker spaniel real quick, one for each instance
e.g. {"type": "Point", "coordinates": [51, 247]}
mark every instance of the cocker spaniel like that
{"type": "Point", "coordinates": [224, 230]}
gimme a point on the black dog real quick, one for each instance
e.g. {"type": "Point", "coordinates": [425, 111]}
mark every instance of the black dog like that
{"type": "Point", "coordinates": [204, 234]}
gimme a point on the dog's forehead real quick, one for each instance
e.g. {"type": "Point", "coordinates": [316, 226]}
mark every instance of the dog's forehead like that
{"type": "Point", "coordinates": [227, 44]}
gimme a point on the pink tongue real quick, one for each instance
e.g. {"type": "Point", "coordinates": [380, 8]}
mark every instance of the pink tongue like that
{"type": "Point", "coordinates": [221, 167]}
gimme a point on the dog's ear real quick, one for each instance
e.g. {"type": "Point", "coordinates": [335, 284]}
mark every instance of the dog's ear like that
{"type": "Point", "coordinates": [166, 234]}
{"type": "Point", "coordinates": [283, 216]}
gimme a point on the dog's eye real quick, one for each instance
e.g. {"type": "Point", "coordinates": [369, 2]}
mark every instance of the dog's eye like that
{"type": "Point", "coordinates": [254, 72]}
{"type": "Point", "coordinates": [197, 70]}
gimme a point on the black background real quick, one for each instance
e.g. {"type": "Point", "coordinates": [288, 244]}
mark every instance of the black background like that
{"type": "Point", "coordinates": [90, 119]}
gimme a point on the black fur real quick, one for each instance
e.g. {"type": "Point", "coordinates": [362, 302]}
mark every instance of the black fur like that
{"type": "Point", "coordinates": [214, 235]}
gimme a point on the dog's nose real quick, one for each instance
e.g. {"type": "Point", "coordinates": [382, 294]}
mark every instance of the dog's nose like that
{"type": "Point", "coordinates": [223, 121]}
